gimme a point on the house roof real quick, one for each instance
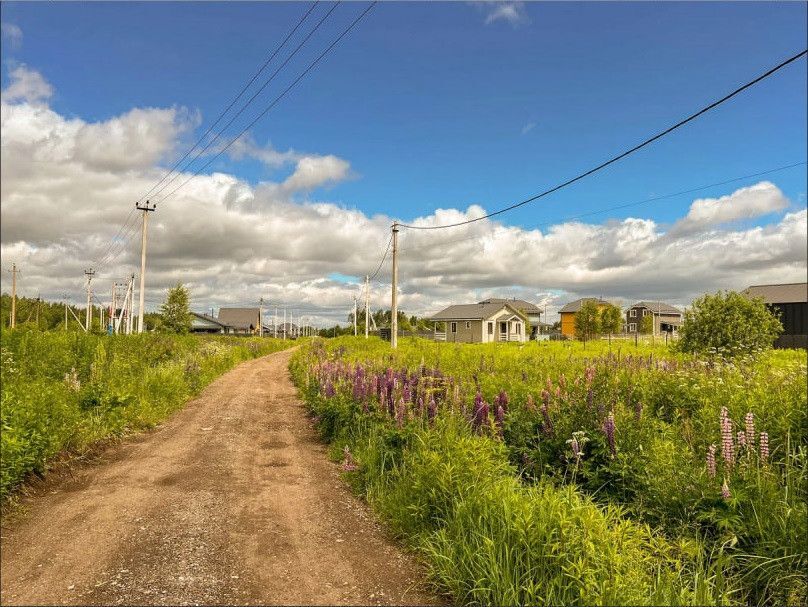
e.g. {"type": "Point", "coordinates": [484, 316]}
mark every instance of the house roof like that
{"type": "Point", "coordinates": [239, 318]}
{"type": "Point", "coordinates": [519, 304]}
{"type": "Point", "coordinates": [574, 306]}
{"type": "Point", "coordinates": [795, 292]}
{"type": "Point", "coordinates": [207, 319]}
{"type": "Point", "coordinates": [657, 306]}
{"type": "Point", "coordinates": [478, 311]}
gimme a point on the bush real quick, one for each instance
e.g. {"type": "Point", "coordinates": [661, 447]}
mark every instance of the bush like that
{"type": "Point", "coordinates": [728, 324]}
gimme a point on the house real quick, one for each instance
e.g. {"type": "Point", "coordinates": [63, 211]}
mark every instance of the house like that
{"type": "Point", "coordinates": [667, 318]}
{"type": "Point", "coordinates": [569, 311]}
{"type": "Point", "coordinates": [531, 311]}
{"type": "Point", "coordinates": [202, 323]}
{"type": "Point", "coordinates": [241, 321]}
{"type": "Point", "coordinates": [790, 303]}
{"type": "Point", "coordinates": [480, 323]}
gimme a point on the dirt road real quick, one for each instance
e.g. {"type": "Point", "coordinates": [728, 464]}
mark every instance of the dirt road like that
{"type": "Point", "coordinates": [233, 500]}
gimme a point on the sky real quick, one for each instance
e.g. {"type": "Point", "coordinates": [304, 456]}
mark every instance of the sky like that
{"type": "Point", "coordinates": [425, 113]}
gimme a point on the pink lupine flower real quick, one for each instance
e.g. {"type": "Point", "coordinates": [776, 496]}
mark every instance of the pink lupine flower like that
{"type": "Point", "coordinates": [725, 491]}
{"type": "Point", "coordinates": [401, 411]}
{"type": "Point", "coordinates": [530, 404]}
{"type": "Point", "coordinates": [727, 444]}
{"type": "Point", "coordinates": [576, 448]}
{"type": "Point", "coordinates": [764, 446]}
{"type": "Point", "coordinates": [589, 375]}
{"type": "Point", "coordinates": [749, 421]}
{"type": "Point", "coordinates": [547, 423]}
{"type": "Point", "coordinates": [500, 418]}
{"type": "Point", "coordinates": [741, 438]}
{"type": "Point", "coordinates": [711, 461]}
{"type": "Point", "coordinates": [348, 463]}
{"type": "Point", "coordinates": [432, 410]}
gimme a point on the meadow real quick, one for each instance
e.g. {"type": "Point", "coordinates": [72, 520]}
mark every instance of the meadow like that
{"type": "Point", "coordinates": [553, 473]}
{"type": "Point", "coordinates": [63, 392]}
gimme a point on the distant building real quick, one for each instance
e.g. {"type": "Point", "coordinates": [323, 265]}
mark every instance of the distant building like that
{"type": "Point", "coordinates": [667, 318]}
{"type": "Point", "coordinates": [531, 311]}
{"type": "Point", "coordinates": [241, 321]}
{"type": "Point", "coordinates": [569, 311]}
{"type": "Point", "coordinates": [202, 323]}
{"type": "Point", "coordinates": [481, 323]}
{"type": "Point", "coordinates": [790, 303]}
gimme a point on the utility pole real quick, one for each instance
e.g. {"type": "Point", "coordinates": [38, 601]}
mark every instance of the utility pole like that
{"type": "Point", "coordinates": [275, 323]}
{"type": "Point", "coordinates": [88, 323]}
{"type": "Point", "coordinates": [145, 208]}
{"type": "Point", "coordinates": [38, 299]}
{"type": "Point", "coordinates": [261, 317]}
{"type": "Point", "coordinates": [131, 318]}
{"type": "Point", "coordinates": [65, 297]}
{"type": "Point", "coordinates": [284, 323]}
{"type": "Point", "coordinates": [13, 271]}
{"type": "Point", "coordinates": [367, 305]}
{"type": "Point", "coordinates": [114, 306]}
{"type": "Point", "coordinates": [394, 306]}
{"type": "Point", "coordinates": [355, 318]}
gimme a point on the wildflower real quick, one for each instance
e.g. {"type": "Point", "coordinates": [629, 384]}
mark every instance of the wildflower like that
{"type": "Point", "coordinates": [749, 421]}
{"type": "Point", "coordinates": [432, 410]}
{"type": "Point", "coordinates": [711, 461]}
{"type": "Point", "coordinates": [500, 418]}
{"type": "Point", "coordinates": [637, 410]}
{"type": "Point", "coordinates": [608, 430]}
{"type": "Point", "coordinates": [401, 412]}
{"type": "Point", "coordinates": [405, 392]}
{"type": "Point", "coordinates": [589, 375]}
{"type": "Point", "coordinates": [725, 491]}
{"type": "Point", "coordinates": [546, 425]}
{"type": "Point", "coordinates": [530, 405]}
{"type": "Point", "coordinates": [764, 446]}
{"type": "Point", "coordinates": [329, 389]}
{"type": "Point", "coordinates": [480, 413]}
{"type": "Point", "coordinates": [503, 400]}
{"type": "Point", "coordinates": [348, 463]}
{"type": "Point", "coordinates": [727, 444]}
{"type": "Point", "coordinates": [590, 398]}
{"type": "Point", "coordinates": [741, 438]}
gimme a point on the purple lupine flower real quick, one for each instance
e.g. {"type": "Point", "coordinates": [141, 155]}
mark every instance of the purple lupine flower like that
{"type": "Point", "coordinates": [500, 418]}
{"type": "Point", "coordinates": [727, 444]}
{"type": "Point", "coordinates": [576, 448]}
{"type": "Point", "coordinates": [725, 491]}
{"type": "Point", "coordinates": [401, 412]}
{"type": "Point", "coordinates": [749, 422]}
{"type": "Point", "coordinates": [608, 430]}
{"type": "Point", "coordinates": [405, 391]}
{"type": "Point", "coordinates": [329, 389]}
{"type": "Point", "coordinates": [480, 414]}
{"type": "Point", "coordinates": [589, 375]}
{"type": "Point", "coordinates": [711, 461]}
{"type": "Point", "coordinates": [764, 446]}
{"type": "Point", "coordinates": [545, 398]}
{"type": "Point", "coordinates": [419, 407]}
{"type": "Point", "coordinates": [503, 400]}
{"type": "Point", "coordinates": [590, 399]}
{"type": "Point", "coordinates": [530, 405]}
{"type": "Point", "coordinates": [547, 424]}
{"type": "Point", "coordinates": [432, 410]}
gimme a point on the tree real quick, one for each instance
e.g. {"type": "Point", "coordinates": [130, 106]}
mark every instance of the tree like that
{"type": "Point", "coordinates": [611, 319]}
{"type": "Point", "coordinates": [175, 311]}
{"type": "Point", "coordinates": [647, 324]}
{"type": "Point", "coordinates": [587, 320]}
{"type": "Point", "coordinates": [728, 324]}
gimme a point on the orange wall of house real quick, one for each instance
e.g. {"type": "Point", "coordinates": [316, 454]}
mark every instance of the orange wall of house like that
{"type": "Point", "coordinates": [568, 324]}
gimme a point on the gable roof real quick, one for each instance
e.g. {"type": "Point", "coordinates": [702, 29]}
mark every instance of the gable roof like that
{"type": "Point", "coordinates": [657, 306]}
{"type": "Point", "coordinates": [239, 318]}
{"type": "Point", "coordinates": [795, 292]}
{"type": "Point", "coordinates": [478, 311]}
{"type": "Point", "coordinates": [519, 304]}
{"type": "Point", "coordinates": [207, 319]}
{"type": "Point", "coordinates": [574, 306]}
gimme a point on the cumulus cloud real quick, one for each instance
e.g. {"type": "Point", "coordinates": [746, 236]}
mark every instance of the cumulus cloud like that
{"type": "Point", "coordinates": [67, 185]}
{"type": "Point", "coordinates": [745, 203]}
{"type": "Point", "coordinates": [12, 34]}
{"type": "Point", "coordinates": [514, 13]}
{"type": "Point", "coordinates": [26, 85]}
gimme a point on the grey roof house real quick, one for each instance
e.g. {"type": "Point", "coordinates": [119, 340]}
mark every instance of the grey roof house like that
{"type": "Point", "coordinates": [241, 320]}
{"type": "Point", "coordinates": [531, 311]}
{"type": "Point", "coordinates": [202, 323]}
{"type": "Point", "coordinates": [667, 318]}
{"type": "Point", "coordinates": [481, 323]}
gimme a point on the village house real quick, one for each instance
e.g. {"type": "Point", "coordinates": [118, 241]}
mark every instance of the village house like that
{"type": "Point", "coordinates": [241, 321]}
{"type": "Point", "coordinates": [480, 323]}
{"type": "Point", "coordinates": [531, 311]}
{"type": "Point", "coordinates": [789, 302]}
{"type": "Point", "coordinates": [202, 323]}
{"type": "Point", "coordinates": [569, 311]}
{"type": "Point", "coordinates": [666, 318]}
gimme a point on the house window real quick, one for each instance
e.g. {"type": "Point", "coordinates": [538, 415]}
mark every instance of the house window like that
{"type": "Point", "coordinates": [519, 328]}
{"type": "Point", "coordinates": [490, 328]}
{"type": "Point", "coordinates": [632, 313]}
{"type": "Point", "coordinates": [454, 327]}
{"type": "Point", "coordinates": [632, 327]}
{"type": "Point", "coordinates": [468, 325]}
{"type": "Point", "coordinates": [645, 312]}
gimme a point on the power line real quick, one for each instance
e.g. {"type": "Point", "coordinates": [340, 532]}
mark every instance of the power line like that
{"type": "Point", "coordinates": [381, 263]}
{"type": "Point", "coordinates": [614, 159]}
{"type": "Point", "coordinates": [233, 102]}
{"type": "Point", "coordinates": [249, 101]}
{"type": "Point", "coordinates": [630, 204]}
{"type": "Point", "coordinates": [311, 66]}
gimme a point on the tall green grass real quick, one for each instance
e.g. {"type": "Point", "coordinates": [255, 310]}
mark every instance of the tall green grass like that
{"type": "Point", "coordinates": [64, 391]}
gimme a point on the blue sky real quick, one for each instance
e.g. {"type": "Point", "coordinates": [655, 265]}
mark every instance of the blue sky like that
{"type": "Point", "coordinates": [435, 108]}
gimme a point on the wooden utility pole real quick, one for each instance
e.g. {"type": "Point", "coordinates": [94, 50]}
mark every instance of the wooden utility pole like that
{"type": "Point", "coordinates": [367, 305]}
{"type": "Point", "coordinates": [275, 323]}
{"type": "Point", "coordinates": [284, 323]}
{"type": "Point", "coordinates": [355, 318]}
{"type": "Point", "coordinates": [13, 271]}
{"type": "Point", "coordinates": [131, 317]}
{"type": "Point", "coordinates": [145, 208]}
{"type": "Point", "coordinates": [38, 299]}
{"type": "Point", "coordinates": [394, 306]}
{"type": "Point", "coordinates": [89, 317]}
{"type": "Point", "coordinates": [261, 317]}
{"type": "Point", "coordinates": [65, 311]}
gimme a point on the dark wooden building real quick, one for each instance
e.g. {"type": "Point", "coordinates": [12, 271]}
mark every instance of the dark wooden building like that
{"type": "Point", "coordinates": [790, 303]}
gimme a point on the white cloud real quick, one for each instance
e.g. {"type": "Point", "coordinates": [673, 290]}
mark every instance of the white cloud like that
{"type": "Point", "coordinates": [514, 13]}
{"type": "Point", "coordinates": [13, 34]}
{"type": "Point", "coordinates": [746, 203]}
{"type": "Point", "coordinates": [66, 185]}
{"type": "Point", "coordinates": [26, 85]}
